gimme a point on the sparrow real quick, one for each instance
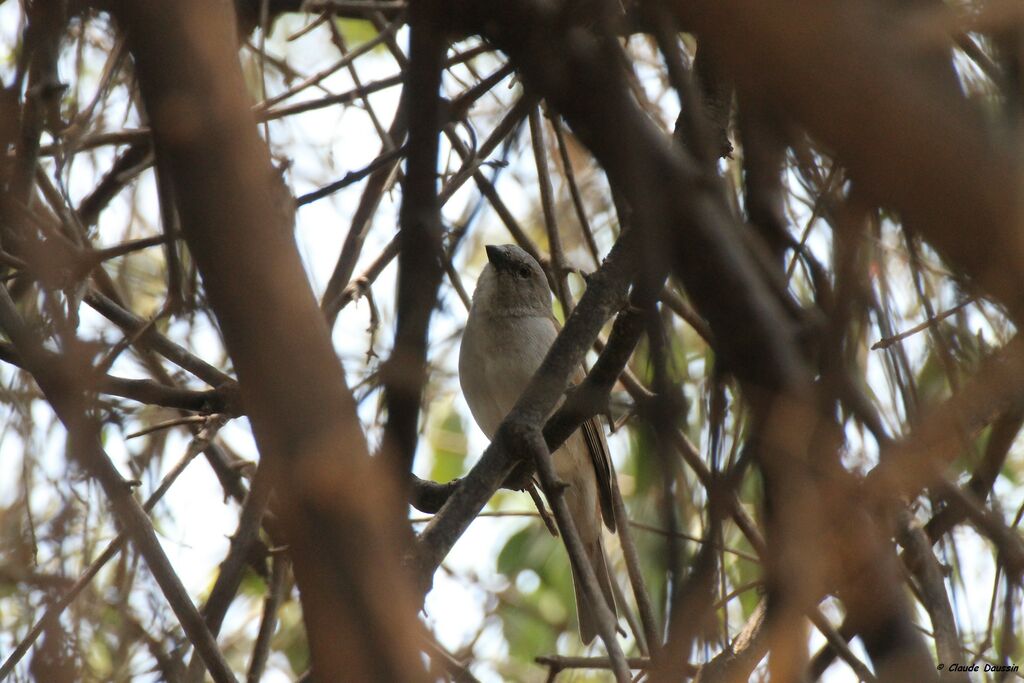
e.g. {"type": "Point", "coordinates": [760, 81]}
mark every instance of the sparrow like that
{"type": "Point", "coordinates": [508, 333]}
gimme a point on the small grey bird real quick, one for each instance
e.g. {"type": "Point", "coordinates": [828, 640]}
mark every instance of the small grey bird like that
{"type": "Point", "coordinates": [508, 333]}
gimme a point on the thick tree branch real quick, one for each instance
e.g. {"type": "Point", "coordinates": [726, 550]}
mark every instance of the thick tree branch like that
{"type": "Point", "coordinates": [419, 242]}
{"type": "Point", "coordinates": [221, 400]}
{"type": "Point", "coordinates": [907, 136]}
{"type": "Point", "coordinates": [358, 609]}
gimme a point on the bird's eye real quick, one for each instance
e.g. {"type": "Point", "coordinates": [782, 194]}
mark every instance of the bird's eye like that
{"type": "Point", "coordinates": [523, 272]}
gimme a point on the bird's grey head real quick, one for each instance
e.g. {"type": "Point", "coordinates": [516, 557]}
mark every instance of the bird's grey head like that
{"type": "Point", "coordinates": [512, 283]}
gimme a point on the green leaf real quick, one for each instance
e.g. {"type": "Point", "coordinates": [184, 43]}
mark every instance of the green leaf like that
{"type": "Point", "coordinates": [526, 549]}
{"type": "Point", "coordinates": [447, 437]}
{"type": "Point", "coordinates": [356, 31]}
{"type": "Point", "coordinates": [526, 634]}
{"type": "Point", "coordinates": [252, 584]}
{"type": "Point", "coordinates": [552, 603]}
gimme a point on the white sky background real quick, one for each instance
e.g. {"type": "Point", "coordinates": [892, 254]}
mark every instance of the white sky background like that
{"type": "Point", "coordinates": [323, 145]}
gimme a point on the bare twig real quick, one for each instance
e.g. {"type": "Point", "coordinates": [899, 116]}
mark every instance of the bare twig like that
{"type": "Point", "coordinates": [558, 270]}
{"type": "Point", "coordinates": [931, 322]}
{"type": "Point", "coordinates": [275, 595]}
{"type": "Point", "coordinates": [559, 663]}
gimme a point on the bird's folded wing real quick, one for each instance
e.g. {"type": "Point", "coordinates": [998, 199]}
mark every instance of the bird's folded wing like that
{"type": "Point", "coordinates": [597, 445]}
{"type": "Point", "coordinates": [593, 434]}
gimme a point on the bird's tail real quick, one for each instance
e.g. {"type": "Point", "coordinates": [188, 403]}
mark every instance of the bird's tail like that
{"type": "Point", "coordinates": [584, 611]}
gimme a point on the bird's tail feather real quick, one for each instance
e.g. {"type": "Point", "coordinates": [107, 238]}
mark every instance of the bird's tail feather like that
{"type": "Point", "coordinates": [584, 612]}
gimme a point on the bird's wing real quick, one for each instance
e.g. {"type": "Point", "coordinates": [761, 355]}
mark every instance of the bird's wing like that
{"type": "Point", "coordinates": [597, 445]}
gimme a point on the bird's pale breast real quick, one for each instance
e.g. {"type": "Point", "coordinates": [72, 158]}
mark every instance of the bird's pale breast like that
{"type": "Point", "coordinates": [497, 360]}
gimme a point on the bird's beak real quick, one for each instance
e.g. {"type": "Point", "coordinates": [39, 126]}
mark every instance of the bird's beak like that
{"type": "Point", "coordinates": [496, 255]}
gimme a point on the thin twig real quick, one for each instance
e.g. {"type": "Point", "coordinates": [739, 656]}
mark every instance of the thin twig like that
{"type": "Point", "coordinates": [188, 420]}
{"type": "Point", "coordinates": [574, 190]}
{"type": "Point", "coordinates": [557, 272]}
{"type": "Point", "coordinates": [560, 663]}
{"type": "Point", "coordinates": [275, 595]}
{"type": "Point", "coordinates": [886, 342]}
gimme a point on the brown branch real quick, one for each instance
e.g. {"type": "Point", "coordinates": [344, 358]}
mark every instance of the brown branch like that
{"type": "Point", "coordinates": [379, 181]}
{"type": "Point", "coordinates": [41, 108]}
{"type": "Point", "coordinates": [989, 523]}
{"type": "Point", "coordinates": [340, 291]}
{"type": "Point", "coordinates": [358, 610]}
{"type": "Point", "coordinates": [952, 172]}
{"type": "Point", "coordinates": [840, 645]}
{"type": "Point", "coordinates": [764, 157]}
{"type": "Point", "coordinates": [932, 583]}
{"type": "Point", "coordinates": [590, 397]}
{"type": "Point", "coordinates": [144, 331]}
{"type": "Point", "coordinates": [419, 244]}
{"type": "Point", "coordinates": [662, 413]}
{"type": "Point", "coordinates": [223, 399]}
{"type": "Point", "coordinates": [692, 605]}
{"type": "Point", "coordinates": [914, 557]}
{"type": "Point", "coordinates": [583, 569]}
{"type": "Point", "coordinates": [471, 162]}
{"type": "Point", "coordinates": [909, 465]}
{"type": "Point", "coordinates": [1004, 433]}
{"type": "Point", "coordinates": [361, 283]}
{"type": "Point", "coordinates": [458, 671]}
{"type": "Point", "coordinates": [384, 161]}
{"type": "Point", "coordinates": [361, 92]}
{"type": "Point", "coordinates": [220, 400]}
{"type": "Point", "coordinates": [931, 322]}
{"type": "Point", "coordinates": [737, 663]}
{"type": "Point", "coordinates": [121, 173]}
{"type": "Point", "coordinates": [574, 190]}
{"type": "Point", "coordinates": [345, 61]}
{"type": "Point", "coordinates": [557, 272]}
{"type": "Point", "coordinates": [558, 663]}
{"type": "Point", "coordinates": [716, 95]}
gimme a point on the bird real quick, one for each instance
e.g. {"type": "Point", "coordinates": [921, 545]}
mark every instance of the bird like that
{"type": "Point", "coordinates": [508, 332]}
